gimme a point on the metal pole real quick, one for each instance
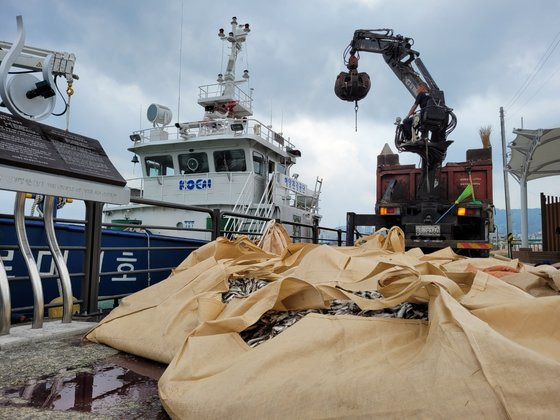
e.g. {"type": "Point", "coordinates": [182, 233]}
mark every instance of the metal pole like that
{"type": "Point", "coordinates": [90, 284]}
{"type": "Point", "coordinates": [544, 224]}
{"type": "Point", "coordinates": [5, 305]}
{"type": "Point", "coordinates": [58, 258]}
{"type": "Point", "coordinates": [215, 224]}
{"type": "Point", "coordinates": [536, 141]}
{"type": "Point", "coordinates": [524, 218]}
{"type": "Point", "coordinates": [350, 226]}
{"type": "Point", "coordinates": [315, 231]}
{"type": "Point", "coordinates": [33, 270]}
{"type": "Point", "coordinates": [506, 182]}
{"type": "Point", "coordinates": [88, 259]}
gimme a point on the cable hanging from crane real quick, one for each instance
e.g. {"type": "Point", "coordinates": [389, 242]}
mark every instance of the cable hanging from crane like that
{"type": "Point", "coordinates": [356, 116]}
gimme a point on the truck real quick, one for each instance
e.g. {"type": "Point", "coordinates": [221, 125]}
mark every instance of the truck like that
{"type": "Point", "coordinates": [436, 206]}
{"type": "Point", "coordinates": [466, 225]}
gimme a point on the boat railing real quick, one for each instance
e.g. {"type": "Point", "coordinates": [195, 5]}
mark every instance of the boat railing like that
{"type": "Point", "coordinates": [244, 200]}
{"type": "Point", "coordinates": [231, 127]}
{"type": "Point", "coordinates": [265, 208]}
{"type": "Point", "coordinates": [225, 90]}
{"type": "Point", "coordinates": [245, 205]}
{"type": "Point", "coordinates": [266, 133]}
{"type": "Point", "coordinates": [90, 273]}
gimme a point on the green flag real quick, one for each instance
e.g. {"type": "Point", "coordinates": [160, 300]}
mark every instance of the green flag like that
{"type": "Point", "coordinates": [466, 192]}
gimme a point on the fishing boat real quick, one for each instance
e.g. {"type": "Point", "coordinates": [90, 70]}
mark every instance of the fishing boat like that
{"type": "Point", "coordinates": [226, 160]}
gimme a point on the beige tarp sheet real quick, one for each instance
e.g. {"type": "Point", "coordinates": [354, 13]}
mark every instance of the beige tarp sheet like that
{"type": "Point", "coordinates": [490, 349]}
{"type": "Point", "coordinates": [275, 238]}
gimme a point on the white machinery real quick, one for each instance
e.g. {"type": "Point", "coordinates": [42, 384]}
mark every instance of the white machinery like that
{"type": "Point", "coordinates": [22, 93]}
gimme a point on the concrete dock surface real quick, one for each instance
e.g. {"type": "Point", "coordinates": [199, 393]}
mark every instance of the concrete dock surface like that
{"type": "Point", "coordinates": [53, 373]}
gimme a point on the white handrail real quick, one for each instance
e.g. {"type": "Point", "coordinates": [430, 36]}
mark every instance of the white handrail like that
{"type": "Point", "coordinates": [265, 205]}
{"type": "Point", "coordinates": [244, 200]}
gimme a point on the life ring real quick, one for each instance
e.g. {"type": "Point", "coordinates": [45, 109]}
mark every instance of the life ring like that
{"type": "Point", "coordinates": [192, 164]}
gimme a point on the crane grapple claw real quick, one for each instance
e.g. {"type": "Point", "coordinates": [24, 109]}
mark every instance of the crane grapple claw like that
{"type": "Point", "coordinates": [352, 86]}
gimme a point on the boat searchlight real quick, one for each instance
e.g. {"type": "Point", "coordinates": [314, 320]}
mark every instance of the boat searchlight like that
{"type": "Point", "coordinates": [159, 115]}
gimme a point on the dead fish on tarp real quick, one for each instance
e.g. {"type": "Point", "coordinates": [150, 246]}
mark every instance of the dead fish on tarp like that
{"type": "Point", "coordinates": [273, 323]}
{"type": "Point", "coordinates": [241, 288]}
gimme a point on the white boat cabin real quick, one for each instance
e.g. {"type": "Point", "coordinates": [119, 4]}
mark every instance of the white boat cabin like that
{"type": "Point", "coordinates": [216, 162]}
{"type": "Point", "coordinates": [227, 161]}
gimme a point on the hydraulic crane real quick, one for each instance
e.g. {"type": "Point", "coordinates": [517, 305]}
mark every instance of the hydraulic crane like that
{"type": "Point", "coordinates": [421, 200]}
{"type": "Point", "coordinates": [432, 125]}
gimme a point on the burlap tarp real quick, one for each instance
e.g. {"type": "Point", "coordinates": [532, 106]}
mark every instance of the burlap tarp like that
{"type": "Point", "coordinates": [275, 238]}
{"type": "Point", "coordinates": [489, 349]}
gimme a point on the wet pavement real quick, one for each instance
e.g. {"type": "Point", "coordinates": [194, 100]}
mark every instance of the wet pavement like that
{"type": "Point", "coordinates": [73, 379]}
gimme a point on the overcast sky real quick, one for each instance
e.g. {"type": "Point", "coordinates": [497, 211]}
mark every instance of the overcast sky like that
{"type": "Point", "coordinates": [483, 54]}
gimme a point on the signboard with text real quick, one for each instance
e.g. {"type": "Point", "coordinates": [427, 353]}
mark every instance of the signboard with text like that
{"type": "Point", "coordinates": [40, 147]}
{"type": "Point", "coordinates": [292, 184]}
{"type": "Point", "coordinates": [40, 159]}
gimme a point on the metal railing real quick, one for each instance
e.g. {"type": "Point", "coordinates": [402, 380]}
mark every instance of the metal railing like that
{"type": "Point", "coordinates": [550, 222]}
{"type": "Point", "coordinates": [92, 273]}
{"type": "Point", "coordinates": [218, 90]}
{"type": "Point", "coordinates": [536, 245]}
{"type": "Point", "coordinates": [500, 243]}
{"type": "Point", "coordinates": [227, 126]}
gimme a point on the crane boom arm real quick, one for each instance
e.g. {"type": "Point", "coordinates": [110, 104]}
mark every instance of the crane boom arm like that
{"type": "Point", "coordinates": [426, 134]}
{"type": "Point", "coordinates": [398, 54]}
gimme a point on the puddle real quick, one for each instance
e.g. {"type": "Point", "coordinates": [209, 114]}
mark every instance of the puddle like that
{"type": "Point", "coordinates": [118, 385]}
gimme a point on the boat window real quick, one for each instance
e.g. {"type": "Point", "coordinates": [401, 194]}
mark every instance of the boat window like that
{"type": "Point", "coordinates": [193, 163]}
{"type": "Point", "coordinates": [258, 163]}
{"type": "Point", "coordinates": [280, 168]}
{"type": "Point", "coordinates": [159, 165]}
{"type": "Point", "coordinates": [230, 160]}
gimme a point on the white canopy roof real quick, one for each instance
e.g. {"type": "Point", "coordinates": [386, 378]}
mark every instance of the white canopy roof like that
{"type": "Point", "coordinates": [535, 154]}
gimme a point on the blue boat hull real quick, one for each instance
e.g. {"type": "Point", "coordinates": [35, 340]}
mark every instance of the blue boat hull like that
{"type": "Point", "coordinates": [121, 263]}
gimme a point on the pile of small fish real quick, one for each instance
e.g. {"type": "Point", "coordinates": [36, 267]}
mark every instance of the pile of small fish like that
{"type": "Point", "coordinates": [241, 288]}
{"type": "Point", "coordinates": [273, 323]}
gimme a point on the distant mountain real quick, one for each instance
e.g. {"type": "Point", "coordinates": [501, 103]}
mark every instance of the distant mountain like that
{"type": "Point", "coordinates": [534, 218]}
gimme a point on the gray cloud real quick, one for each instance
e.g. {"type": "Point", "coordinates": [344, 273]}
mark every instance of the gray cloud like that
{"type": "Point", "coordinates": [479, 52]}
